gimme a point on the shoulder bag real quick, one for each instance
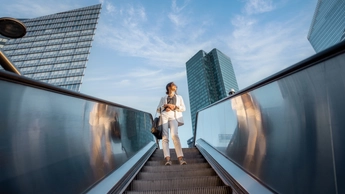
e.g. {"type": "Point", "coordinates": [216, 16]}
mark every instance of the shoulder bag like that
{"type": "Point", "coordinates": [157, 128]}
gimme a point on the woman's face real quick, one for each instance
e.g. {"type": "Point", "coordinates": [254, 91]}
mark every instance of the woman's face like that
{"type": "Point", "coordinates": [173, 87]}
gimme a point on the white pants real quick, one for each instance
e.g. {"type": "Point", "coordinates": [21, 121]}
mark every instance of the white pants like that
{"type": "Point", "coordinates": [169, 120]}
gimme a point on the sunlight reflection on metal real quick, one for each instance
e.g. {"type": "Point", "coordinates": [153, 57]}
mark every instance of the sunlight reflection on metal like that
{"type": "Point", "coordinates": [54, 140]}
{"type": "Point", "coordinates": [282, 133]}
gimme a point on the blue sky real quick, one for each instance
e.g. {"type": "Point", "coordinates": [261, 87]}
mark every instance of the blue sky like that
{"type": "Point", "coordinates": [141, 45]}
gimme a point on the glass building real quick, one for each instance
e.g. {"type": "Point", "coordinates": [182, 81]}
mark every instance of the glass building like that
{"type": "Point", "coordinates": [328, 24]}
{"type": "Point", "coordinates": [3, 41]}
{"type": "Point", "coordinates": [56, 47]}
{"type": "Point", "coordinates": [210, 77]}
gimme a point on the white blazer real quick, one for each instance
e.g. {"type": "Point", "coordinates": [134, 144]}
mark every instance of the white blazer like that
{"type": "Point", "coordinates": [180, 107]}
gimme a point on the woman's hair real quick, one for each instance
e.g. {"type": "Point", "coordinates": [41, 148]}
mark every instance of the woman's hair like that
{"type": "Point", "coordinates": [169, 85]}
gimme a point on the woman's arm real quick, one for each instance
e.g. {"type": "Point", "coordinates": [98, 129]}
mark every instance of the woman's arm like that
{"type": "Point", "coordinates": [180, 107]}
{"type": "Point", "coordinates": [160, 107]}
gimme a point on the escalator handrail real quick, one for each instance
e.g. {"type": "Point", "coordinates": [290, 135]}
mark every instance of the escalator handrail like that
{"type": "Point", "coordinates": [52, 88]}
{"type": "Point", "coordinates": [308, 62]}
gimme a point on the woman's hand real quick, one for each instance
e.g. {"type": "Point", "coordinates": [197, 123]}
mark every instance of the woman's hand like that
{"type": "Point", "coordinates": [172, 106]}
{"type": "Point", "coordinates": [169, 107]}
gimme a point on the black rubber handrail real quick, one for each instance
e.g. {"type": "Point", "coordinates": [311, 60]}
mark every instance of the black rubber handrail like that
{"type": "Point", "coordinates": [313, 60]}
{"type": "Point", "coordinates": [11, 77]}
{"type": "Point", "coordinates": [308, 62]}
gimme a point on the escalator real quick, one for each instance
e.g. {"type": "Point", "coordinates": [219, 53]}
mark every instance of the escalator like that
{"type": "Point", "coordinates": [284, 134]}
{"type": "Point", "coordinates": [197, 177]}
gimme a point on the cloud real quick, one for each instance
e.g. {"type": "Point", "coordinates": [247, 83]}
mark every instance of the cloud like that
{"type": "Point", "coordinates": [133, 36]}
{"type": "Point", "coordinates": [110, 7]}
{"type": "Point", "coordinates": [177, 9]}
{"type": "Point", "coordinates": [136, 79]}
{"type": "Point", "coordinates": [122, 83]}
{"type": "Point", "coordinates": [32, 9]}
{"type": "Point", "coordinates": [178, 20]}
{"type": "Point", "coordinates": [143, 73]}
{"type": "Point", "coordinates": [258, 6]}
{"type": "Point", "coordinates": [259, 50]}
{"type": "Point", "coordinates": [148, 79]}
{"type": "Point", "coordinates": [176, 16]}
{"type": "Point", "coordinates": [100, 78]}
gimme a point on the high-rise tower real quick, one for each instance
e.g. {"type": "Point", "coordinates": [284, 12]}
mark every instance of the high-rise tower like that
{"type": "Point", "coordinates": [56, 47]}
{"type": "Point", "coordinates": [210, 77]}
{"type": "Point", "coordinates": [328, 25]}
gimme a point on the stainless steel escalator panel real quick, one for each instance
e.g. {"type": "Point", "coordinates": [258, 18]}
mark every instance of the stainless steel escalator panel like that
{"type": "Point", "coordinates": [54, 142]}
{"type": "Point", "coordinates": [288, 134]}
{"type": "Point", "coordinates": [115, 177]}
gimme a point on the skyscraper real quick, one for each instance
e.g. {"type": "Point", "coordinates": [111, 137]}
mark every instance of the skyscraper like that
{"type": "Point", "coordinates": [55, 48]}
{"type": "Point", "coordinates": [3, 41]}
{"type": "Point", "coordinates": [328, 25]}
{"type": "Point", "coordinates": [210, 77]}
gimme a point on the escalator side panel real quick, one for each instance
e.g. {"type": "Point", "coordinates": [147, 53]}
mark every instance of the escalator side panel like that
{"type": "Point", "coordinates": [288, 134]}
{"type": "Point", "coordinates": [53, 142]}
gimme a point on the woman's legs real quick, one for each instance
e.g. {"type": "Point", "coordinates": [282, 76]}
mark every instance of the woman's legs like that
{"type": "Point", "coordinates": [165, 135]}
{"type": "Point", "coordinates": [169, 121]}
{"type": "Point", "coordinates": [174, 136]}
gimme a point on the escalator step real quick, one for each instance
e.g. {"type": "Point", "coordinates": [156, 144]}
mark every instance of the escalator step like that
{"type": "Point", "coordinates": [162, 162]}
{"type": "Point", "coordinates": [187, 167]}
{"type": "Point", "coordinates": [164, 175]}
{"type": "Point", "coordinates": [177, 183]}
{"type": "Point", "coordinates": [184, 150]}
{"type": "Point", "coordinates": [187, 154]}
{"type": "Point", "coordinates": [155, 158]}
{"type": "Point", "coordinates": [204, 190]}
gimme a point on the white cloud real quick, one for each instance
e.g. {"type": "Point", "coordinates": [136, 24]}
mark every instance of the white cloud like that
{"type": "Point", "coordinates": [110, 7]}
{"type": "Point", "coordinates": [100, 78]}
{"type": "Point", "coordinates": [178, 20]}
{"type": "Point", "coordinates": [258, 6]}
{"type": "Point", "coordinates": [32, 9]}
{"type": "Point", "coordinates": [141, 39]}
{"type": "Point", "coordinates": [122, 83]}
{"type": "Point", "coordinates": [176, 16]}
{"type": "Point", "coordinates": [177, 9]}
{"type": "Point", "coordinates": [259, 50]}
{"type": "Point", "coordinates": [136, 80]}
{"type": "Point", "coordinates": [143, 73]}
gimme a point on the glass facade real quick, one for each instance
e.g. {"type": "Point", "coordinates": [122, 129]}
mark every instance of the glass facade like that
{"type": "Point", "coordinates": [210, 77]}
{"type": "Point", "coordinates": [328, 25]}
{"type": "Point", "coordinates": [3, 41]}
{"type": "Point", "coordinates": [56, 47]}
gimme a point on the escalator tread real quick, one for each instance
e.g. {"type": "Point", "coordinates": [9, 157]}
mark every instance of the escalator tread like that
{"type": "Point", "coordinates": [195, 177]}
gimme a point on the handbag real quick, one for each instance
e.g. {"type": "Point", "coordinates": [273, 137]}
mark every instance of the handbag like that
{"type": "Point", "coordinates": [157, 128]}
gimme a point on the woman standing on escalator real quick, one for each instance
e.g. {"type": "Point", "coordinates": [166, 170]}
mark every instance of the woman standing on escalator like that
{"type": "Point", "coordinates": [171, 107]}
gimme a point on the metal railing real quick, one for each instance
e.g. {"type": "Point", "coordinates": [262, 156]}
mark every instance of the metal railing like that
{"type": "Point", "coordinates": [286, 131]}
{"type": "Point", "coordinates": [54, 139]}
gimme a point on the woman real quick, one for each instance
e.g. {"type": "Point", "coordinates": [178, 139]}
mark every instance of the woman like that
{"type": "Point", "coordinates": [171, 107]}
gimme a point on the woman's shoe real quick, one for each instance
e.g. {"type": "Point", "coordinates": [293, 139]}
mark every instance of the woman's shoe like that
{"type": "Point", "coordinates": [168, 163]}
{"type": "Point", "coordinates": [182, 161]}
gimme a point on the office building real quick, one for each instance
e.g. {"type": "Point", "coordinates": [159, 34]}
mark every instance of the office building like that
{"type": "Point", "coordinates": [210, 77]}
{"type": "Point", "coordinates": [328, 25]}
{"type": "Point", "coordinates": [56, 47]}
{"type": "Point", "coordinates": [3, 41]}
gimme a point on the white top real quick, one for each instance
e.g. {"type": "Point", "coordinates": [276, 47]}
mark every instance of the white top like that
{"type": "Point", "coordinates": [180, 107]}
